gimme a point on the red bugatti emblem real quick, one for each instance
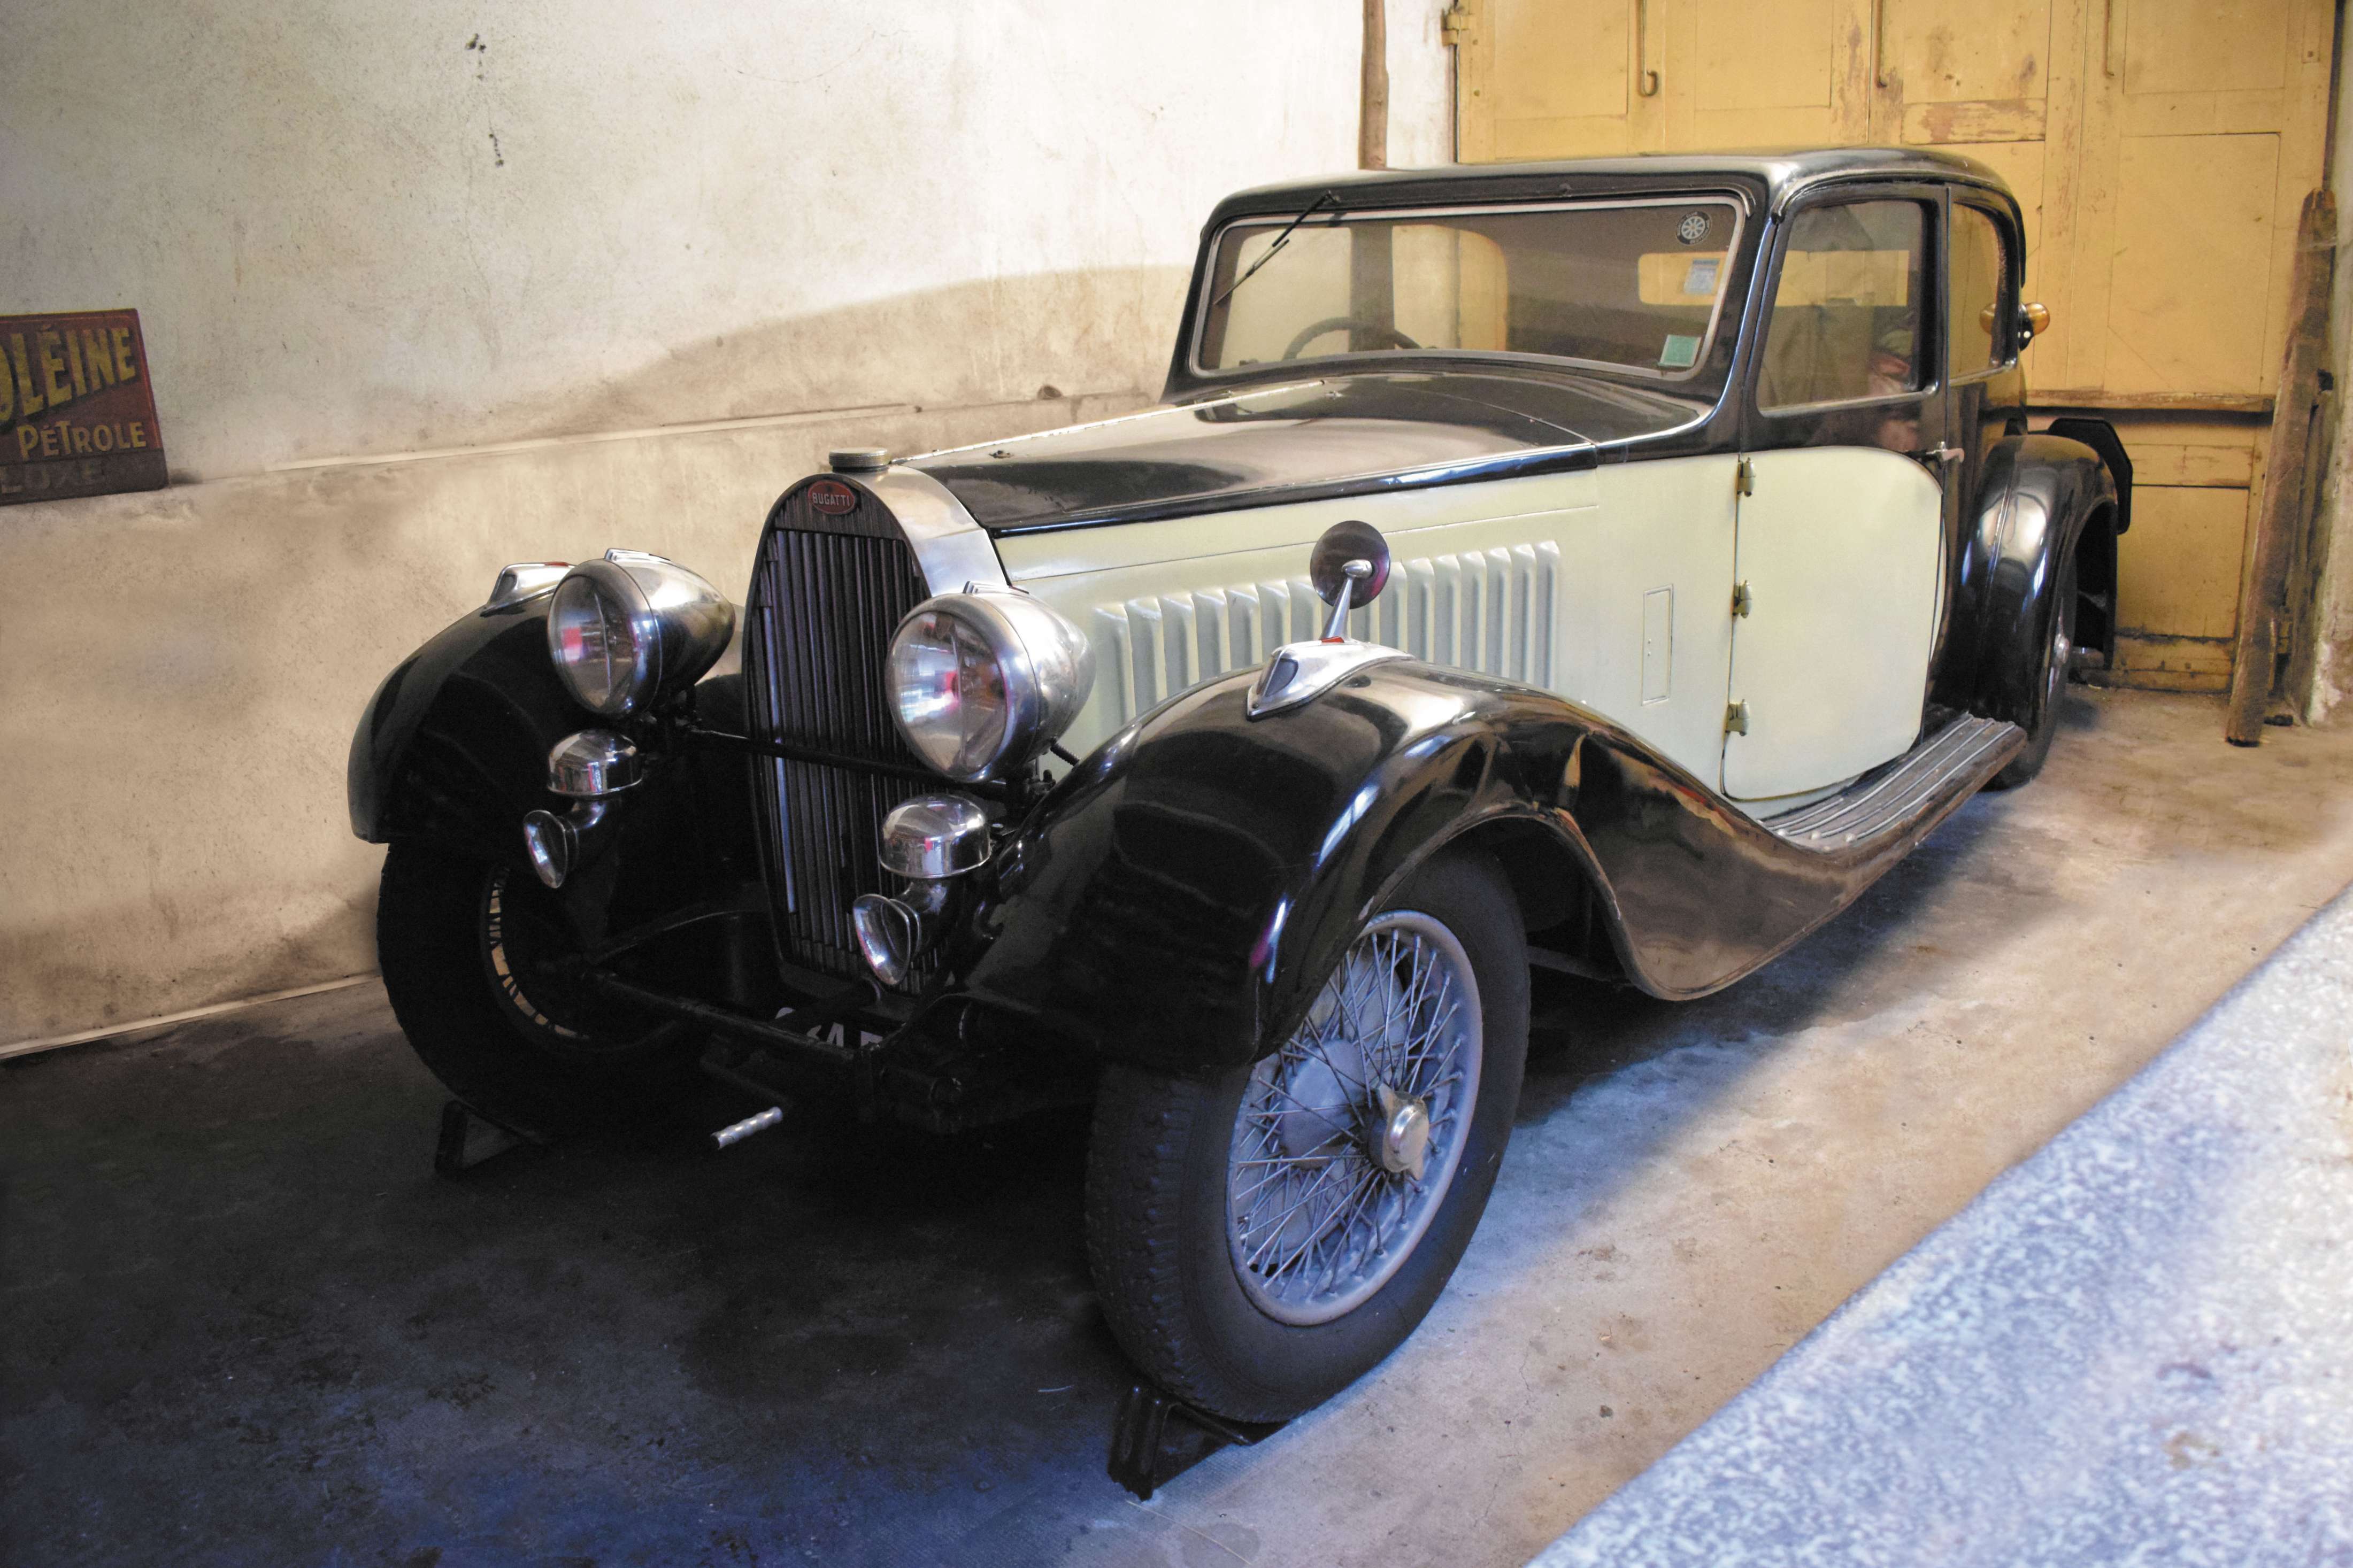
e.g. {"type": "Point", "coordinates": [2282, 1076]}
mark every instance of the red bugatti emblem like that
{"type": "Point", "coordinates": [832, 497]}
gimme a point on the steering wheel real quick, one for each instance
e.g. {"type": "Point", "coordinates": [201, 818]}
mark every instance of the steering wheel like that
{"type": "Point", "coordinates": [1316, 330]}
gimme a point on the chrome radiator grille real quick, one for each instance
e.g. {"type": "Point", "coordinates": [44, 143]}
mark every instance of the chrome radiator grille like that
{"type": "Point", "coordinates": [826, 593]}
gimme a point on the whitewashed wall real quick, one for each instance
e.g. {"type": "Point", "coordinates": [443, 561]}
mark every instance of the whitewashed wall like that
{"type": "Point", "coordinates": [2330, 659]}
{"type": "Point", "coordinates": [428, 288]}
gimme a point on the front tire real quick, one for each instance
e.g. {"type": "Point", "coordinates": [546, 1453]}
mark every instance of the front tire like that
{"type": "Point", "coordinates": [1263, 1237]}
{"type": "Point", "coordinates": [466, 948]}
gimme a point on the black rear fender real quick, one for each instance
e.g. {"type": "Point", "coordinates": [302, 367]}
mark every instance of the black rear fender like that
{"type": "Point", "coordinates": [2042, 498]}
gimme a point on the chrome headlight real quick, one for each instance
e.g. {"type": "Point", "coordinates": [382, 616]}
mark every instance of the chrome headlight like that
{"type": "Point", "coordinates": [631, 628]}
{"type": "Point", "coordinates": [980, 683]}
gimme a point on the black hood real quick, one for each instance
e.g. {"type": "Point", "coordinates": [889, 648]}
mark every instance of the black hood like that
{"type": "Point", "coordinates": [1299, 440]}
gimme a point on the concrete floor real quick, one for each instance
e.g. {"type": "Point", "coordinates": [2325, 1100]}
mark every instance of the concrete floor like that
{"type": "Point", "coordinates": [2133, 1347]}
{"type": "Point", "coordinates": [239, 1320]}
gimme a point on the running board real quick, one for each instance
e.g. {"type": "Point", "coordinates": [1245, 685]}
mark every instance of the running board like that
{"type": "Point", "coordinates": [1963, 755]}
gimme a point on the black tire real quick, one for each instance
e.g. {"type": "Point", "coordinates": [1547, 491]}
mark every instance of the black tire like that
{"type": "Point", "coordinates": [463, 946]}
{"type": "Point", "coordinates": [1157, 1213]}
{"type": "Point", "coordinates": [2051, 700]}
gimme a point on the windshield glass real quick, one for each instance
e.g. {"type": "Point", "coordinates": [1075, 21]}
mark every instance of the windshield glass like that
{"type": "Point", "coordinates": [1630, 286]}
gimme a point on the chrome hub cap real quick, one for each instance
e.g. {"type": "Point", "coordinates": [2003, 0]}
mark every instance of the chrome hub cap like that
{"type": "Point", "coordinates": [1404, 1146]}
{"type": "Point", "coordinates": [1348, 1137]}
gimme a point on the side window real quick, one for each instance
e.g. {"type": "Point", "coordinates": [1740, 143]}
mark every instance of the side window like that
{"type": "Point", "coordinates": [1846, 317]}
{"type": "Point", "coordinates": [1977, 288]}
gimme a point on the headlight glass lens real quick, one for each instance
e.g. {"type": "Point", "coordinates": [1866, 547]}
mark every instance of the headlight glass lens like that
{"type": "Point", "coordinates": [597, 648]}
{"type": "Point", "coordinates": [949, 690]}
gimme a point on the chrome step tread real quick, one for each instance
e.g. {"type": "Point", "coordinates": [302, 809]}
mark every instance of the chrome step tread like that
{"type": "Point", "coordinates": [1892, 795]}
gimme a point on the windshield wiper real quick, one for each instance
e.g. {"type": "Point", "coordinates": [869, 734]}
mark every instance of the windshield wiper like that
{"type": "Point", "coordinates": [1279, 241]}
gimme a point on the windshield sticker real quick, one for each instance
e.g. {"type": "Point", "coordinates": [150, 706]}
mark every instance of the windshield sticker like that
{"type": "Point", "coordinates": [1682, 351]}
{"type": "Point", "coordinates": [1692, 229]}
{"type": "Point", "coordinates": [1699, 277]}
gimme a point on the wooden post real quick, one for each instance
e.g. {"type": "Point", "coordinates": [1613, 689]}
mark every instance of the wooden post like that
{"type": "Point", "coordinates": [1373, 108]}
{"type": "Point", "coordinates": [2264, 604]}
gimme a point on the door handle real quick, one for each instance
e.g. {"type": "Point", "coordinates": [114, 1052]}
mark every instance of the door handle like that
{"type": "Point", "coordinates": [1941, 457]}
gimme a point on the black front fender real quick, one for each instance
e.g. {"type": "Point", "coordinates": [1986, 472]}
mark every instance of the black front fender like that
{"type": "Point", "coordinates": [1180, 897]}
{"type": "Point", "coordinates": [1192, 882]}
{"type": "Point", "coordinates": [454, 743]}
{"type": "Point", "coordinates": [453, 748]}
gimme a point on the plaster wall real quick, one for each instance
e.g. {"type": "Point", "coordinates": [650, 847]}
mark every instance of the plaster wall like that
{"type": "Point", "coordinates": [2321, 671]}
{"type": "Point", "coordinates": [425, 290]}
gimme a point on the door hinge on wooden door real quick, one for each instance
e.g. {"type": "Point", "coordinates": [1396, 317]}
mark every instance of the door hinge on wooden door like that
{"type": "Point", "coordinates": [1742, 600]}
{"type": "Point", "coordinates": [1454, 26]}
{"type": "Point", "coordinates": [1743, 478]}
{"type": "Point", "coordinates": [1736, 718]}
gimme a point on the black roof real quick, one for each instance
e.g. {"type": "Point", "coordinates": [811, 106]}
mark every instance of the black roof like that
{"type": "Point", "coordinates": [1780, 173]}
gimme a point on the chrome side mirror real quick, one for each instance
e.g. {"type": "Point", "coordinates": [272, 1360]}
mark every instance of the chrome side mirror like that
{"type": "Point", "coordinates": [1348, 569]}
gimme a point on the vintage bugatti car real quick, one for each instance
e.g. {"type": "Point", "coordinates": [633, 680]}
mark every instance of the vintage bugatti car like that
{"type": "Point", "coordinates": [1608, 566]}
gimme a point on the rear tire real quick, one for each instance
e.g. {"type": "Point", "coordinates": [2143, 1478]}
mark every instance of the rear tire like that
{"type": "Point", "coordinates": [2058, 650]}
{"type": "Point", "coordinates": [1188, 1248]}
{"type": "Point", "coordinates": [464, 947]}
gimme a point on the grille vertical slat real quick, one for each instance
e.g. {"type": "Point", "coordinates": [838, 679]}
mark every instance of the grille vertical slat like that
{"type": "Point", "coordinates": [1488, 610]}
{"type": "Point", "coordinates": [826, 593]}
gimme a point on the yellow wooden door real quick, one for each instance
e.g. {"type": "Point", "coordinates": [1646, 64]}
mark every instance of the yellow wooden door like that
{"type": "Point", "coordinates": [2204, 128]}
{"type": "Point", "coordinates": [2204, 133]}
{"type": "Point", "coordinates": [2159, 150]}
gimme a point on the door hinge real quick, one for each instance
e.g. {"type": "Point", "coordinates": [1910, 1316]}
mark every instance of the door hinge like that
{"type": "Point", "coordinates": [1743, 478]}
{"type": "Point", "coordinates": [1454, 26]}
{"type": "Point", "coordinates": [1742, 600]}
{"type": "Point", "coordinates": [1736, 718]}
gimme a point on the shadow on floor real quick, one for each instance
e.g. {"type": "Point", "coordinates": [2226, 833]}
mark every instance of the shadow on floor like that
{"type": "Point", "coordinates": [246, 1324]}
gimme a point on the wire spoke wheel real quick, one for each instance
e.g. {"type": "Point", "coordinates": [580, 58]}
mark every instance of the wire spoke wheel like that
{"type": "Point", "coordinates": [474, 959]}
{"type": "Point", "coordinates": [1348, 1136]}
{"type": "Point", "coordinates": [524, 941]}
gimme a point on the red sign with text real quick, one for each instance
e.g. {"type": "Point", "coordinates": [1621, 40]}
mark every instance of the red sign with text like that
{"type": "Point", "coordinates": [77, 414]}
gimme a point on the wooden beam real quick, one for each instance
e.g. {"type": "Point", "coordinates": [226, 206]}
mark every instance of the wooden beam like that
{"type": "Point", "coordinates": [2151, 402]}
{"type": "Point", "coordinates": [1373, 108]}
{"type": "Point", "coordinates": [2264, 604]}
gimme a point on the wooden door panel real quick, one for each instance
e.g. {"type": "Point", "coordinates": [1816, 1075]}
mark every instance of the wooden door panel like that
{"type": "Point", "coordinates": [1563, 62]}
{"type": "Point", "coordinates": [1792, 73]}
{"type": "Point", "coordinates": [1541, 79]}
{"type": "Point", "coordinates": [1962, 51]}
{"type": "Point", "coordinates": [1763, 57]}
{"type": "Point", "coordinates": [2198, 46]}
{"type": "Point", "coordinates": [2178, 570]}
{"type": "Point", "coordinates": [2191, 265]}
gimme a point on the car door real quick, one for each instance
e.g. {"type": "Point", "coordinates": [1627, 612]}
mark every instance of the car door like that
{"type": "Point", "coordinates": [1839, 536]}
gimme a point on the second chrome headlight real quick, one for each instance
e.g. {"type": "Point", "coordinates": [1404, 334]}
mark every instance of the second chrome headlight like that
{"type": "Point", "coordinates": [626, 629]}
{"type": "Point", "coordinates": [981, 683]}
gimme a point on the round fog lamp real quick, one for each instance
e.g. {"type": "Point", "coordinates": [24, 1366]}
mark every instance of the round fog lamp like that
{"type": "Point", "coordinates": [934, 836]}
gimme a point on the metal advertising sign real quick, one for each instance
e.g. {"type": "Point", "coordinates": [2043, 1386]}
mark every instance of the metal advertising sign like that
{"type": "Point", "coordinates": [77, 412]}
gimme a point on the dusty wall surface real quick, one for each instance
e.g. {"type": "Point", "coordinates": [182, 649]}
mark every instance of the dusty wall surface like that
{"type": "Point", "coordinates": [426, 291]}
{"type": "Point", "coordinates": [2322, 671]}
